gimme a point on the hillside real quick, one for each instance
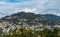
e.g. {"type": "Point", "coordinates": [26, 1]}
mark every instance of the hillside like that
{"type": "Point", "coordinates": [31, 18]}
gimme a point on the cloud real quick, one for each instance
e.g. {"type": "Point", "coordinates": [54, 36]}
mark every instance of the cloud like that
{"type": "Point", "coordinates": [33, 10]}
{"type": "Point", "coordinates": [52, 7]}
{"type": "Point", "coordinates": [53, 4]}
{"type": "Point", "coordinates": [9, 7]}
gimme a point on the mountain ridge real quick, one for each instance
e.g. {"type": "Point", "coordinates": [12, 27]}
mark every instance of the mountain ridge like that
{"type": "Point", "coordinates": [29, 15]}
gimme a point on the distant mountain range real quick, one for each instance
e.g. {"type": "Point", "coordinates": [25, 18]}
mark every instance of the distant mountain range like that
{"type": "Point", "coordinates": [29, 15]}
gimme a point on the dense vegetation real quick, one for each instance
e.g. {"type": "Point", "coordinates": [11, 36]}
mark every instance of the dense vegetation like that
{"type": "Point", "coordinates": [22, 32]}
{"type": "Point", "coordinates": [50, 33]}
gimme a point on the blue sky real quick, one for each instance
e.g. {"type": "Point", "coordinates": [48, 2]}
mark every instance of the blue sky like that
{"type": "Point", "coordinates": [8, 7]}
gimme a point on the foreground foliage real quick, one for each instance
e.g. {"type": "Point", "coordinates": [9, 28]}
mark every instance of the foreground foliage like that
{"type": "Point", "coordinates": [22, 32]}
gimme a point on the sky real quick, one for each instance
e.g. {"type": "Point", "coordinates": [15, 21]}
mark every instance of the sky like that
{"type": "Point", "coordinates": [8, 7]}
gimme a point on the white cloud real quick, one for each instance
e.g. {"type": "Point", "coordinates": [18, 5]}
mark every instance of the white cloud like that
{"type": "Point", "coordinates": [33, 10]}
{"type": "Point", "coordinates": [33, 6]}
{"type": "Point", "coordinates": [10, 8]}
{"type": "Point", "coordinates": [52, 7]}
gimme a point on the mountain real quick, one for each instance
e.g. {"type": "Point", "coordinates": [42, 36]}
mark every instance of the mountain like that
{"type": "Point", "coordinates": [51, 17]}
{"type": "Point", "coordinates": [24, 15]}
{"type": "Point", "coordinates": [23, 18]}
